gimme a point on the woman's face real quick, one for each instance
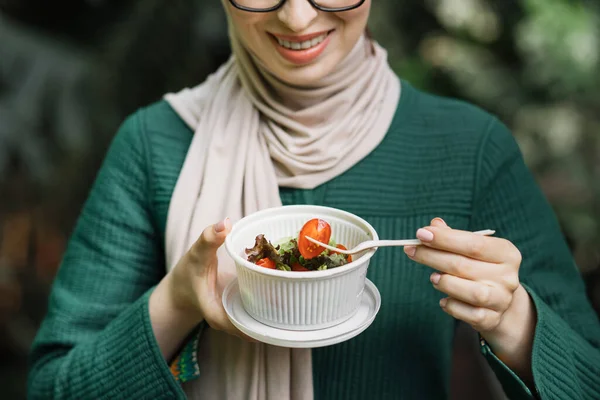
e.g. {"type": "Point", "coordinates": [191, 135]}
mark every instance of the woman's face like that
{"type": "Point", "coordinates": [298, 43]}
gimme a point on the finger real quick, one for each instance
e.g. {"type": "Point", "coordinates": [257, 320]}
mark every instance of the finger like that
{"type": "Point", "coordinates": [471, 292]}
{"type": "Point", "coordinates": [228, 327]}
{"type": "Point", "coordinates": [438, 222]}
{"type": "Point", "coordinates": [481, 319]}
{"type": "Point", "coordinates": [232, 330]}
{"type": "Point", "coordinates": [211, 239]}
{"type": "Point", "coordinates": [219, 321]}
{"type": "Point", "coordinates": [485, 248]}
{"type": "Point", "coordinates": [452, 263]}
{"type": "Point", "coordinates": [245, 337]}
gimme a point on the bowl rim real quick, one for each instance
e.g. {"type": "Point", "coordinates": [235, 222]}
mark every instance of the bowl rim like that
{"type": "Point", "coordinates": [312, 275]}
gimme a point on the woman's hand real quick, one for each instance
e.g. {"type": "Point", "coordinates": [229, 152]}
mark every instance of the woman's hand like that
{"type": "Point", "coordinates": [480, 275]}
{"type": "Point", "coordinates": [191, 292]}
{"type": "Point", "coordinates": [197, 285]}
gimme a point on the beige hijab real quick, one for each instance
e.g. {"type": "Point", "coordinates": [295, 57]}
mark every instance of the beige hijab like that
{"type": "Point", "coordinates": [246, 144]}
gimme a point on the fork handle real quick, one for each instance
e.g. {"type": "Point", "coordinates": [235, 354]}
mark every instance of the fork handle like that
{"type": "Point", "coordinates": [407, 242]}
{"type": "Point", "coordinates": [390, 243]}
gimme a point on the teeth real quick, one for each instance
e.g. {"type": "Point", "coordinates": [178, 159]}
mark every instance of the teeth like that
{"type": "Point", "coordinates": [307, 44]}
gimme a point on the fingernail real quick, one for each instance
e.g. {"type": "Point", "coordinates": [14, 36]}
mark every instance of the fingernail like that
{"type": "Point", "coordinates": [220, 227]}
{"type": "Point", "coordinates": [410, 250]}
{"type": "Point", "coordinates": [438, 219]}
{"type": "Point", "coordinates": [435, 278]}
{"type": "Point", "coordinates": [425, 235]}
{"type": "Point", "coordinates": [443, 302]}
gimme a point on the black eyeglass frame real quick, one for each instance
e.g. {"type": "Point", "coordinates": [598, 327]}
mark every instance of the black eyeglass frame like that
{"type": "Point", "coordinates": [282, 2]}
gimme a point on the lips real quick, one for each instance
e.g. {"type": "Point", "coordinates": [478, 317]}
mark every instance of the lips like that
{"type": "Point", "coordinates": [302, 49]}
{"type": "Point", "coordinates": [302, 45]}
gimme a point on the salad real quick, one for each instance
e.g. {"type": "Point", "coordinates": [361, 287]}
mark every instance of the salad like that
{"type": "Point", "coordinates": [299, 254]}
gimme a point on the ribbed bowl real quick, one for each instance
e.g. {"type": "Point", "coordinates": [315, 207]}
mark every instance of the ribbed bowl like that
{"type": "Point", "coordinates": [300, 300]}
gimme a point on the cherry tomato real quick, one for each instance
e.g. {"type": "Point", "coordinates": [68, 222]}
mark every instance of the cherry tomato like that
{"type": "Point", "coordinates": [342, 247]}
{"type": "Point", "coordinates": [267, 263]}
{"type": "Point", "coordinates": [316, 229]}
{"type": "Point", "coordinates": [299, 268]}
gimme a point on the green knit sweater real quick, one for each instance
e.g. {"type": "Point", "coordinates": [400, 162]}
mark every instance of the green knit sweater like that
{"type": "Point", "coordinates": [441, 157]}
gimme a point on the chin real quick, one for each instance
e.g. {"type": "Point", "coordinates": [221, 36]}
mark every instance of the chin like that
{"type": "Point", "coordinates": [306, 75]}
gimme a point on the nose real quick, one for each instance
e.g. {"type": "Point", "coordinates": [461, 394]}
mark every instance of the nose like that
{"type": "Point", "coordinates": [297, 14]}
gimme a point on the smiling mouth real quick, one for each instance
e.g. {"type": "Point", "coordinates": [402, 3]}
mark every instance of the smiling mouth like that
{"type": "Point", "coordinates": [304, 44]}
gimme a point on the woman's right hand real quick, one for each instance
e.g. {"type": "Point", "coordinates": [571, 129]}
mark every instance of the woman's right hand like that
{"type": "Point", "coordinates": [191, 292]}
{"type": "Point", "coordinates": [196, 285]}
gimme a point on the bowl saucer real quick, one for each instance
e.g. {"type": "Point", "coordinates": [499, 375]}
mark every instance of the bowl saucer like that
{"type": "Point", "coordinates": [367, 310]}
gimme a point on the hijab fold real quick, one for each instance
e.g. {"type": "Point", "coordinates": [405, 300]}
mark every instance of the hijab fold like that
{"type": "Point", "coordinates": [252, 134]}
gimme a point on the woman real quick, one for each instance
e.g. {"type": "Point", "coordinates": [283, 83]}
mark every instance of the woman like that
{"type": "Point", "coordinates": [308, 111]}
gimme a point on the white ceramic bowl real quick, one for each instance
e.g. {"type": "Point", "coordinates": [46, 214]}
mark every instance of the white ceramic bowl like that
{"type": "Point", "coordinates": [300, 300]}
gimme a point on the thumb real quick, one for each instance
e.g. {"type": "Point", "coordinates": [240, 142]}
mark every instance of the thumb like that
{"type": "Point", "coordinates": [211, 238]}
{"type": "Point", "coordinates": [438, 222]}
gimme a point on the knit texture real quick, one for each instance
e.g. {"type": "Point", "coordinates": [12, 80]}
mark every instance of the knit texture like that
{"type": "Point", "coordinates": [441, 157]}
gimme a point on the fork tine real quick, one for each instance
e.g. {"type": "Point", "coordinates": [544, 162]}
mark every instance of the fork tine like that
{"type": "Point", "coordinates": [331, 248]}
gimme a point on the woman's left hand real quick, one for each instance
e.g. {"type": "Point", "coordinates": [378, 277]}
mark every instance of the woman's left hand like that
{"type": "Point", "coordinates": [480, 275]}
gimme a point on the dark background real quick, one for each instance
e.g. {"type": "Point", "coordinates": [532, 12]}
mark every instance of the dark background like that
{"type": "Point", "coordinates": [72, 70]}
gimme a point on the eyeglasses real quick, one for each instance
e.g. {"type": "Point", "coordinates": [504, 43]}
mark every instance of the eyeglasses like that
{"type": "Point", "coordinates": [272, 5]}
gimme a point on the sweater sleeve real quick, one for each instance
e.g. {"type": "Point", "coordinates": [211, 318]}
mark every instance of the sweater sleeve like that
{"type": "Point", "coordinates": [566, 347]}
{"type": "Point", "coordinates": [96, 341]}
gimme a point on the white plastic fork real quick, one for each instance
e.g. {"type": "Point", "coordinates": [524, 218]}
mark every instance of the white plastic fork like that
{"type": "Point", "coordinates": [370, 244]}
